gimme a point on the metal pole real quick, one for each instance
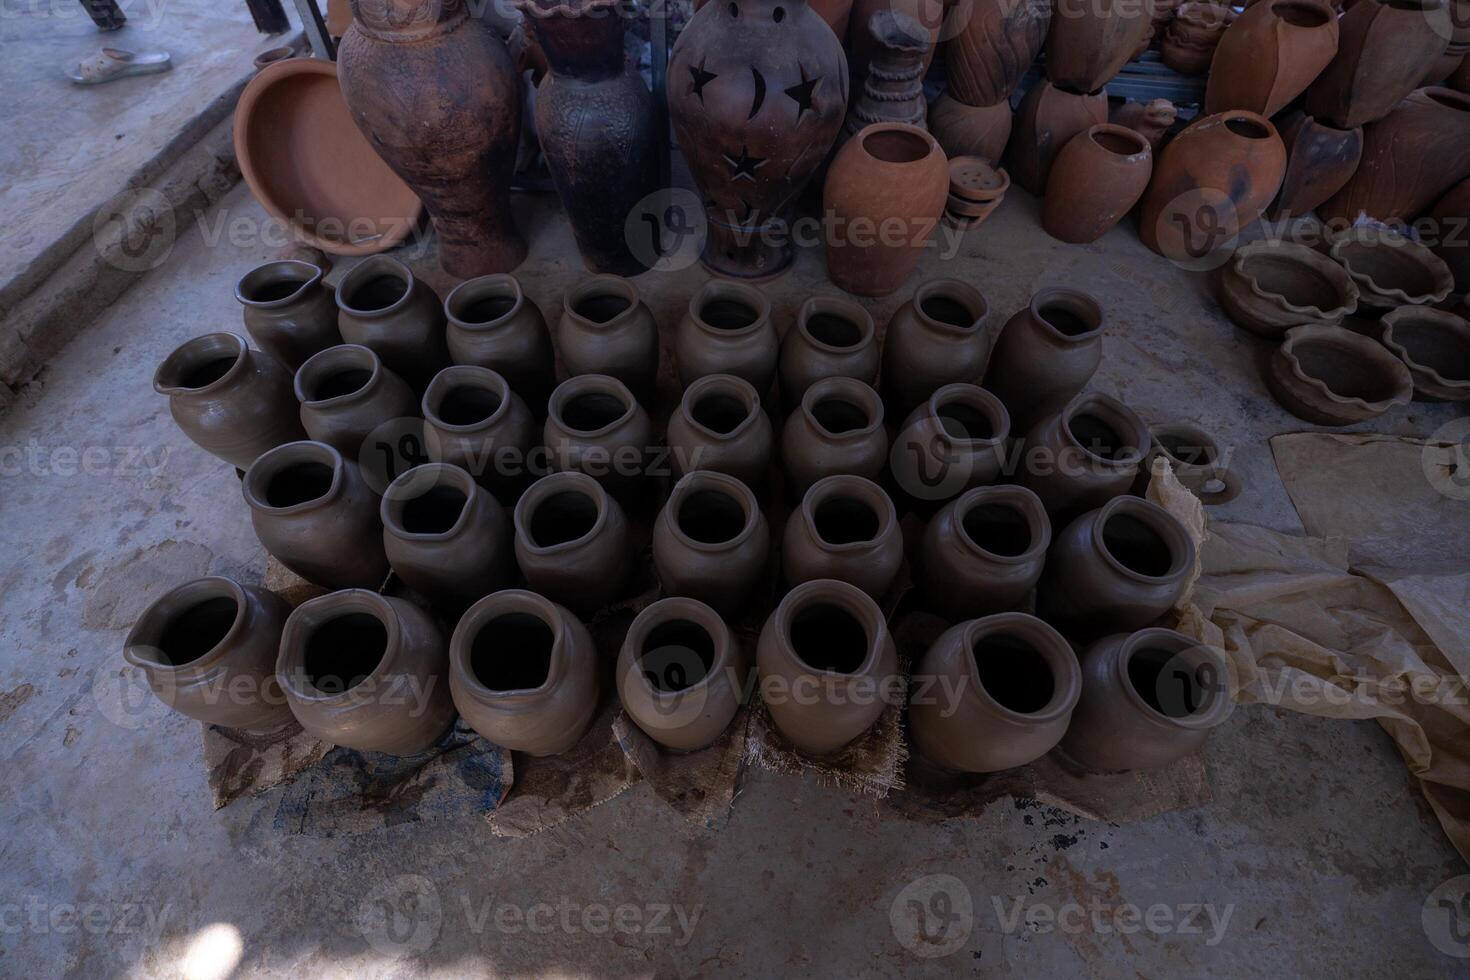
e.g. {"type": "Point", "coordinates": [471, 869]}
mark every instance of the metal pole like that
{"type": "Point", "coordinates": [316, 30]}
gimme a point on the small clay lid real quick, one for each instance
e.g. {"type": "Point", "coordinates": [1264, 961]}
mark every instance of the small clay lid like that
{"type": "Point", "coordinates": [973, 179]}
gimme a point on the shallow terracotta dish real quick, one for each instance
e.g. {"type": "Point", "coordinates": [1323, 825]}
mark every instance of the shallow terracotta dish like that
{"type": "Point", "coordinates": [1390, 270]}
{"type": "Point", "coordinates": [1270, 286]}
{"type": "Point", "coordinates": [1435, 347]}
{"type": "Point", "coordinates": [1333, 376]}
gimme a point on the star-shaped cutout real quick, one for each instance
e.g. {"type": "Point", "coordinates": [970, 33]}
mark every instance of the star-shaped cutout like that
{"type": "Point", "coordinates": [803, 93]}
{"type": "Point", "coordinates": [701, 79]}
{"type": "Point", "coordinates": [745, 167]}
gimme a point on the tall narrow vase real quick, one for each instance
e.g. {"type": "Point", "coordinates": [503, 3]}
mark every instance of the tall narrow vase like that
{"type": "Point", "coordinates": [894, 88]}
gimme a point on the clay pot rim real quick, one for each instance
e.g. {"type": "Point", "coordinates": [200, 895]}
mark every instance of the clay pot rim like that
{"type": "Point", "coordinates": [602, 284]}
{"type": "Point", "coordinates": [1326, 7]}
{"type": "Point", "coordinates": [349, 355]}
{"type": "Point", "coordinates": [721, 384]}
{"type": "Point", "coordinates": [272, 55]}
{"type": "Point", "coordinates": [964, 393]}
{"type": "Point", "coordinates": [479, 288]}
{"type": "Point", "coordinates": [716, 482]}
{"type": "Point", "coordinates": [272, 462]}
{"type": "Point", "coordinates": [167, 607]}
{"type": "Point", "coordinates": [590, 384]}
{"type": "Point", "coordinates": [1145, 149]}
{"type": "Point", "coordinates": [1373, 238]}
{"type": "Point", "coordinates": [562, 8]}
{"type": "Point", "coordinates": [373, 267]}
{"type": "Point", "coordinates": [1218, 706]}
{"type": "Point", "coordinates": [414, 484]}
{"type": "Point", "coordinates": [846, 596]}
{"type": "Point", "coordinates": [1022, 500]}
{"type": "Point", "coordinates": [314, 613]}
{"type": "Point", "coordinates": [1160, 521]}
{"type": "Point", "coordinates": [848, 485]}
{"type": "Point", "coordinates": [1072, 298]}
{"type": "Point", "coordinates": [680, 609]}
{"type": "Point", "coordinates": [978, 195]}
{"type": "Point", "coordinates": [1121, 416]}
{"type": "Point", "coordinates": [895, 168]}
{"type": "Point", "coordinates": [199, 348]}
{"type": "Point", "coordinates": [844, 308]}
{"type": "Point", "coordinates": [566, 481]}
{"type": "Point", "coordinates": [1441, 319]}
{"type": "Point", "coordinates": [852, 390]}
{"type": "Point", "coordinates": [314, 272]}
{"type": "Point", "coordinates": [465, 376]}
{"type": "Point", "coordinates": [1445, 96]}
{"type": "Point", "coordinates": [1190, 431]}
{"type": "Point", "coordinates": [960, 292]}
{"type": "Point", "coordinates": [719, 288]}
{"type": "Point", "coordinates": [1369, 352]}
{"type": "Point", "coordinates": [1048, 644]}
{"type": "Point", "coordinates": [493, 606]}
{"type": "Point", "coordinates": [1333, 272]}
{"type": "Point", "coordinates": [1238, 115]}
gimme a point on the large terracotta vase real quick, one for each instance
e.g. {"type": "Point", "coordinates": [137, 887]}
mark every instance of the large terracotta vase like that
{"type": "Point", "coordinates": [1098, 177]}
{"type": "Point", "coordinates": [1271, 54]}
{"type": "Point", "coordinates": [1382, 54]}
{"type": "Point", "coordinates": [999, 41]}
{"type": "Point", "coordinates": [1320, 159]}
{"type": "Point", "coordinates": [757, 92]}
{"type": "Point", "coordinates": [1046, 120]}
{"type": "Point", "coordinates": [1091, 40]}
{"type": "Point", "coordinates": [595, 120]}
{"type": "Point", "coordinates": [893, 90]}
{"type": "Point", "coordinates": [435, 92]}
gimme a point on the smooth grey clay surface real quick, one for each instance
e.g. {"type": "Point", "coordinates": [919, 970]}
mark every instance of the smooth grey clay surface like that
{"type": "Point", "coordinates": [290, 312]}
{"type": "Point", "coordinates": [606, 328]}
{"type": "Point", "coordinates": [208, 650]}
{"type": "Point", "coordinates": [721, 426]}
{"type": "Point", "coordinates": [594, 425]}
{"type": "Point", "coordinates": [833, 337]}
{"type": "Point", "coordinates": [1083, 456]}
{"type": "Point", "coordinates": [728, 330]}
{"type": "Point", "coordinates": [346, 392]}
{"type": "Point", "coordinates": [837, 429]}
{"type": "Point", "coordinates": [445, 536]}
{"type": "Point", "coordinates": [955, 440]}
{"type": "Point", "coordinates": [313, 511]}
{"type": "Point", "coordinates": [571, 541]}
{"type": "Point", "coordinates": [382, 305]}
{"type": "Point", "coordinates": [474, 420]}
{"type": "Point", "coordinates": [1046, 354]}
{"type": "Point", "coordinates": [711, 541]}
{"type": "Point", "coordinates": [846, 529]}
{"type": "Point", "coordinates": [523, 672]}
{"type": "Point", "coordinates": [492, 323]}
{"type": "Point", "coordinates": [937, 338]}
{"type": "Point", "coordinates": [231, 401]}
{"type": "Point", "coordinates": [984, 552]}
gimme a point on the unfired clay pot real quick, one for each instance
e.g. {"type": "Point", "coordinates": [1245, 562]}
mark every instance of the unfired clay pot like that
{"type": "Point", "coordinates": [1381, 56]}
{"type": "Point", "coordinates": [711, 541]}
{"type": "Point", "coordinates": [1090, 43]}
{"type": "Point", "coordinates": [1390, 270]}
{"type": "Point", "coordinates": [1148, 699]}
{"type": "Point", "coordinates": [1096, 179]}
{"type": "Point", "coordinates": [827, 664]}
{"type": "Point", "coordinates": [837, 429]}
{"type": "Point", "coordinates": [1196, 460]}
{"type": "Point", "coordinates": [893, 86]}
{"type": "Point", "coordinates": [606, 328]}
{"type": "Point", "coordinates": [1046, 120]}
{"type": "Point", "coordinates": [728, 330]}
{"type": "Point", "coordinates": [983, 553]}
{"type": "Point", "coordinates": [1334, 376]}
{"type": "Point", "coordinates": [446, 537]}
{"type": "Point", "coordinates": [473, 420]}
{"type": "Point", "coordinates": [1046, 354]}
{"type": "Point", "coordinates": [1269, 286]}
{"type": "Point", "coordinates": [1151, 120]}
{"type": "Point", "coordinates": [572, 541]}
{"type": "Point", "coordinates": [208, 650]}
{"type": "Point", "coordinates": [721, 426]}
{"type": "Point", "coordinates": [594, 425]}
{"type": "Point", "coordinates": [493, 324]}
{"type": "Point", "coordinates": [832, 338]}
{"type": "Point", "coordinates": [1189, 42]}
{"type": "Point", "coordinates": [1271, 54]}
{"type": "Point", "coordinates": [1319, 161]}
{"type": "Point", "coordinates": [847, 529]}
{"type": "Point", "coordinates": [993, 694]}
{"type": "Point", "coordinates": [233, 402]}
{"type": "Point", "coordinates": [936, 338]}
{"type": "Point", "coordinates": [971, 131]}
{"type": "Point", "coordinates": [1084, 455]}
{"type": "Point", "coordinates": [954, 441]}
{"type": "Point", "coordinates": [384, 306]}
{"type": "Point", "coordinates": [991, 52]}
{"type": "Point", "coordinates": [366, 672]}
{"type": "Point", "coordinates": [290, 312]}
{"type": "Point", "coordinates": [346, 393]}
{"type": "Point", "coordinates": [1435, 347]}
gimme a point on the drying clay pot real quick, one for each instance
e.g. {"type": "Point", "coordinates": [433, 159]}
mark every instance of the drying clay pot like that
{"type": "Point", "coordinates": [1271, 54]}
{"type": "Point", "coordinates": [1452, 212]}
{"type": "Point", "coordinates": [1088, 44]}
{"type": "Point", "coordinates": [1269, 286]}
{"type": "Point", "coordinates": [1047, 118]}
{"type": "Point", "coordinates": [493, 324]}
{"type": "Point", "coordinates": [837, 429]}
{"type": "Point", "coordinates": [382, 305]}
{"type": "Point", "coordinates": [721, 426]}
{"type": "Point", "coordinates": [445, 537]}
{"type": "Point", "coordinates": [832, 338]}
{"type": "Point", "coordinates": [1196, 460]}
{"type": "Point", "coordinates": [954, 441]}
{"type": "Point", "coordinates": [1389, 270]}
{"type": "Point", "coordinates": [606, 328]}
{"type": "Point", "coordinates": [1148, 699]}
{"type": "Point", "coordinates": [893, 86]}
{"type": "Point", "coordinates": [994, 47]}
{"type": "Point", "coordinates": [1189, 42]}
{"type": "Point", "coordinates": [523, 672]}
{"type": "Point", "coordinates": [572, 541]}
{"type": "Point", "coordinates": [728, 330]}
{"type": "Point", "coordinates": [208, 650]}
{"type": "Point", "coordinates": [846, 529]}
{"type": "Point", "coordinates": [827, 666]}
{"type": "Point", "coordinates": [936, 338]}
{"type": "Point", "coordinates": [473, 420]}
{"type": "Point", "coordinates": [1333, 376]}
{"type": "Point", "coordinates": [1319, 161]}
{"type": "Point", "coordinates": [290, 312]}
{"type": "Point", "coordinates": [595, 426]}
{"type": "Point", "coordinates": [971, 131]}
{"type": "Point", "coordinates": [233, 402]}
{"type": "Point", "coordinates": [1096, 179]}
{"type": "Point", "coordinates": [1084, 455]}
{"type": "Point", "coordinates": [1046, 354]}
{"type": "Point", "coordinates": [366, 672]}
{"type": "Point", "coordinates": [1152, 120]}
{"type": "Point", "coordinates": [711, 541]}
{"type": "Point", "coordinates": [983, 553]}
{"type": "Point", "coordinates": [1435, 347]}
{"type": "Point", "coordinates": [993, 694]}
{"type": "Point", "coordinates": [346, 393]}
{"type": "Point", "coordinates": [1382, 52]}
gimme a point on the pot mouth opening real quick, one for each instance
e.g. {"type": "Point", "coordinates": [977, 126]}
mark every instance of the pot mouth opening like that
{"type": "Point", "coordinates": [299, 483]}
{"type": "Point", "coordinates": [200, 364]}
{"type": "Point", "coordinates": [193, 629]}
{"type": "Point", "coordinates": [999, 528]}
{"type": "Point", "coordinates": [293, 477]}
{"type": "Point", "coordinates": [1247, 128]}
{"type": "Point", "coordinates": [968, 416]}
{"type": "Point", "coordinates": [593, 411]}
{"type": "Point", "coordinates": [826, 636]}
{"type": "Point", "coordinates": [602, 300]}
{"type": "Point", "coordinates": [511, 652]}
{"type": "Point", "coordinates": [896, 145]}
{"type": "Point", "coordinates": [341, 651]}
{"type": "Point", "coordinates": [467, 404]}
{"type": "Point", "coordinates": [1143, 543]}
{"type": "Point", "coordinates": [1296, 282]}
{"type": "Point", "coordinates": [711, 515]}
{"type": "Point", "coordinates": [1344, 371]}
{"type": "Point", "coordinates": [719, 412]}
{"type": "Point", "coordinates": [676, 655]}
{"type": "Point", "coordinates": [1187, 447]}
{"type": "Point", "coordinates": [1101, 433]}
{"type": "Point", "coordinates": [1013, 672]}
{"type": "Point", "coordinates": [730, 307]}
{"type": "Point", "coordinates": [1425, 5]}
{"type": "Point", "coordinates": [835, 329]}
{"type": "Point", "coordinates": [840, 415]}
{"type": "Point", "coordinates": [276, 283]}
{"type": "Point", "coordinates": [437, 510]}
{"type": "Point", "coordinates": [845, 519]}
{"type": "Point", "coordinates": [1434, 346]}
{"type": "Point", "coordinates": [1172, 683]}
{"type": "Point", "coordinates": [338, 372]}
{"type": "Point", "coordinates": [1118, 140]}
{"type": "Point", "coordinates": [1299, 13]}
{"type": "Point", "coordinates": [1068, 313]}
{"type": "Point", "coordinates": [954, 305]}
{"type": "Point", "coordinates": [484, 302]}
{"type": "Point", "coordinates": [563, 517]}
{"type": "Point", "coordinates": [377, 286]}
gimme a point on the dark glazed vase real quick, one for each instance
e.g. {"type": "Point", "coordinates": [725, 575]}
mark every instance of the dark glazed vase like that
{"type": "Point", "coordinates": [711, 541]}
{"type": "Point", "coordinates": [721, 426]}
{"type": "Point", "coordinates": [936, 338]}
{"type": "Point", "coordinates": [595, 122]}
{"type": "Point", "coordinates": [1090, 41]}
{"type": "Point", "coordinates": [436, 94]}
{"type": "Point", "coordinates": [383, 305]}
{"type": "Point", "coordinates": [893, 89]}
{"type": "Point", "coordinates": [728, 330]}
{"type": "Point", "coordinates": [290, 312]}
{"type": "Point", "coordinates": [346, 393]}
{"type": "Point", "coordinates": [572, 541]}
{"type": "Point", "coordinates": [954, 441]}
{"type": "Point", "coordinates": [445, 536]}
{"type": "Point", "coordinates": [473, 420]}
{"type": "Point", "coordinates": [1084, 455]}
{"type": "Point", "coordinates": [595, 426]}
{"type": "Point", "coordinates": [606, 328]}
{"type": "Point", "coordinates": [1382, 52]}
{"type": "Point", "coordinates": [1320, 159]}
{"type": "Point", "coordinates": [1046, 354]}
{"type": "Point", "coordinates": [757, 92]}
{"type": "Point", "coordinates": [493, 324]}
{"type": "Point", "coordinates": [997, 44]}
{"type": "Point", "coordinates": [832, 338]}
{"type": "Point", "coordinates": [1046, 120]}
{"type": "Point", "coordinates": [837, 429]}
{"type": "Point", "coordinates": [984, 552]}
{"type": "Point", "coordinates": [846, 529]}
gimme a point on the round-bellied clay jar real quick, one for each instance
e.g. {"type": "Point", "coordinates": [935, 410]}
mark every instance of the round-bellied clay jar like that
{"type": "Point", "coordinates": [445, 536]}
{"type": "Point", "coordinates": [938, 337]}
{"type": "Point", "coordinates": [833, 337]}
{"type": "Point", "coordinates": [1047, 119]}
{"type": "Point", "coordinates": [606, 328]}
{"type": "Point", "coordinates": [955, 440]}
{"type": "Point", "coordinates": [381, 304]}
{"type": "Point", "coordinates": [846, 529]}
{"type": "Point", "coordinates": [1046, 354]}
{"type": "Point", "coordinates": [594, 425]}
{"type": "Point", "coordinates": [493, 324]}
{"type": "Point", "coordinates": [721, 426]}
{"type": "Point", "coordinates": [474, 420]}
{"type": "Point", "coordinates": [711, 541]}
{"type": "Point", "coordinates": [346, 392]}
{"type": "Point", "coordinates": [728, 330]}
{"type": "Point", "coordinates": [571, 541]}
{"type": "Point", "coordinates": [1084, 455]}
{"type": "Point", "coordinates": [1096, 179]}
{"type": "Point", "coordinates": [984, 552]}
{"type": "Point", "coordinates": [290, 312]}
{"type": "Point", "coordinates": [838, 429]}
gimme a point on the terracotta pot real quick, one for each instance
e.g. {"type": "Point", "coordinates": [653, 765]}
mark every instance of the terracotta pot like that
{"type": "Point", "coordinates": [572, 541]}
{"type": "Point", "coordinates": [383, 305]}
{"type": "Point", "coordinates": [311, 169]}
{"type": "Point", "coordinates": [1435, 347]}
{"type": "Point", "coordinates": [976, 189]}
{"type": "Point", "coordinates": [595, 426]}
{"type": "Point", "coordinates": [861, 47]}
{"type": "Point", "coordinates": [836, 13]}
{"type": "Point", "coordinates": [346, 393]}
{"type": "Point", "coordinates": [290, 312]}
{"type": "Point", "coordinates": [971, 131]}
{"type": "Point", "coordinates": [1452, 214]}
{"type": "Point", "coordinates": [1096, 179]}
{"type": "Point", "coordinates": [1196, 460]}
{"type": "Point", "coordinates": [1148, 699]}
{"type": "Point", "coordinates": [1115, 569]}
{"type": "Point", "coordinates": [1319, 161]}
{"type": "Point", "coordinates": [883, 199]}
{"type": "Point", "coordinates": [1046, 120]}
{"type": "Point", "coordinates": [721, 426]}
{"type": "Point", "coordinates": [208, 650]}
{"type": "Point", "coordinates": [993, 694]}
{"type": "Point", "coordinates": [606, 328]}
{"type": "Point", "coordinates": [1189, 42]}
{"type": "Point", "coordinates": [1046, 354]}
{"type": "Point", "coordinates": [1269, 286]}
{"type": "Point", "coordinates": [1333, 376]}
{"type": "Point", "coordinates": [832, 338]}
{"type": "Point", "coordinates": [827, 666]}
{"type": "Point", "coordinates": [493, 324]}
{"type": "Point", "coordinates": [474, 421]}
{"type": "Point", "coordinates": [1271, 54]}
{"type": "Point", "coordinates": [893, 88]}
{"type": "Point", "coordinates": [954, 441]}
{"type": "Point", "coordinates": [366, 672]}
{"type": "Point", "coordinates": [1380, 59]}
{"type": "Point", "coordinates": [1089, 43]}
{"type": "Point", "coordinates": [983, 552]}
{"type": "Point", "coordinates": [937, 337]}
{"type": "Point", "coordinates": [756, 100]}
{"type": "Point", "coordinates": [1389, 270]}
{"type": "Point", "coordinates": [837, 429]}
{"type": "Point", "coordinates": [1211, 182]}
{"type": "Point", "coordinates": [231, 401]}
{"type": "Point", "coordinates": [1084, 455]}
{"type": "Point", "coordinates": [445, 537]}
{"type": "Point", "coordinates": [1151, 120]}
{"type": "Point", "coordinates": [435, 92]}
{"type": "Point", "coordinates": [846, 529]}
{"type": "Point", "coordinates": [711, 541]}
{"type": "Point", "coordinates": [990, 54]}
{"type": "Point", "coordinates": [728, 330]}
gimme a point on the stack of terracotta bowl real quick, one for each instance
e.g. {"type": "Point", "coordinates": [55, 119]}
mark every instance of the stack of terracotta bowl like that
{"type": "Point", "coordinates": [975, 190]}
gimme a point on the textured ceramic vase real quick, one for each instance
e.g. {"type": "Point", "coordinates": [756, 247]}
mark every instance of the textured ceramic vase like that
{"type": "Point", "coordinates": [938, 337]}
{"type": "Point", "coordinates": [1271, 54]}
{"type": "Point", "coordinates": [1096, 179]}
{"type": "Point", "coordinates": [595, 426]}
{"type": "Point", "coordinates": [1319, 161]}
{"type": "Point", "coordinates": [1046, 120]}
{"type": "Point", "coordinates": [837, 429]}
{"type": "Point", "coordinates": [1334, 376]}
{"type": "Point", "coordinates": [445, 536]}
{"type": "Point", "coordinates": [1189, 42]}
{"type": "Point", "coordinates": [983, 552]}
{"type": "Point", "coordinates": [346, 393]}
{"type": "Point", "coordinates": [1435, 347]}
{"type": "Point", "coordinates": [955, 440]}
{"type": "Point", "coordinates": [1084, 455]}
{"type": "Point", "coordinates": [846, 529]}
{"type": "Point", "coordinates": [1382, 52]}
{"type": "Point", "coordinates": [366, 672]}
{"type": "Point", "coordinates": [383, 305]}
{"type": "Point", "coordinates": [208, 650]}
{"type": "Point", "coordinates": [606, 328]}
{"type": "Point", "coordinates": [711, 541]}
{"type": "Point", "coordinates": [290, 312]}
{"type": "Point", "coordinates": [1046, 354]}
{"type": "Point", "coordinates": [571, 541]}
{"type": "Point", "coordinates": [1390, 270]}
{"type": "Point", "coordinates": [1152, 120]}
{"type": "Point", "coordinates": [493, 324]}
{"type": "Point", "coordinates": [971, 131]}
{"type": "Point", "coordinates": [993, 693]}
{"type": "Point", "coordinates": [832, 338]}
{"type": "Point", "coordinates": [721, 426]}
{"type": "Point", "coordinates": [1270, 286]}
{"type": "Point", "coordinates": [436, 94]}
{"type": "Point", "coordinates": [474, 421]}
{"type": "Point", "coordinates": [993, 49]}
{"type": "Point", "coordinates": [893, 88]}
{"type": "Point", "coordinates": [728, 330]}
{"type": "Point", "coordinates": [1089, 43]}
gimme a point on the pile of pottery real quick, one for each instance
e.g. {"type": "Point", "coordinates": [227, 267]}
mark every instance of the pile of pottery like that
{"type": "Point", "coordinates": [975, 191]}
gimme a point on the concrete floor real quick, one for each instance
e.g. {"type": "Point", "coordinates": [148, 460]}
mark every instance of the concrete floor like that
{"type": "Point", "coordinates": [1317, 846]}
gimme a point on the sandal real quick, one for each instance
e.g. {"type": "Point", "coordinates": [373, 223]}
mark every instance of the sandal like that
{"type": "Point", "coordinates": [110, 63]}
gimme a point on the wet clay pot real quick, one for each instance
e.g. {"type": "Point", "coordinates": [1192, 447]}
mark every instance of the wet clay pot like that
{"type": "Point", "coordinates": [346, 393]}
{"type": "Point", "coordinates": [290, 312]}
{"type": "Point", "coordinates": [1115, 569]}
{"type": "Point", "coordinates": [445, 537]}
{"type": "Point", "coordinates": [208, 650]}
{"type": "Point", "coordinates": [366, 672]}
{"type": "Point", "coordinates": [1382, 52]}
{"type": "Point", "coordinates": [757, 92]}
{"type": "Point", "coordinates": [595, 121]}
{"type": "Point", "coordinates": [1084, 455]}
{"type": "Point", "coordinates": [1270, 286]}
{"type": "Point", "coordinates": [893, 88]}
{"type": "Point", "coordinates": [474, 421]}
{"type": "Point", "coordinates": [993, 694]}
{"type": "Point", "coordinates": [883, 199]}
{"type": "Point", "coordinates": [1090, 43]}
{"type": "Point", "coordinates": [523, 672]}
{"type": "Point", "coordinates": [827, 664]}
{"type": "Point", "coordinates": [1319, 161]}
{"type": "Point", "coordinates": [711, 541]}
{"type": "Point", "coordinates": [971, 131]}
{"type": "Point", "coordinates": [1046, 120]}
{"type": "Point", "coordinates": [983, 553]}
{"type": "Point", "coordinates": [993, 49]}
{"type": "Point", "coordinates": [681, 674]}
{"type": "Point", "coordinates": [1096, 179]}
{"type": "Point", "coordinates": [721, 426]}
{"type": "Point", "coordinates": [832, 338]}
{"type": "Point", "coordinates": [1148, 699]}
{"type": "Point", "coordinates": [383, 305]}
{"type": "Point", "coordinates": [1271, 54]}
{"type": "Point", "coordinates": [1151, 120]}
{"type": "Point", "coordinates": [1196, 460]}
{"type": "Point", "coordinates": [493, 324]}
{"type": "Point", "coordinates": [606, 328]}
{"type": "Point", "coordinates": [938, 337]}
{"type": "Point", "coordinates": [572, 541]}
{"type": "Point", "coordinates": [1453, 211]}
{"type": "Point", "coordinates": [436, 94]}
{"type": "Point", "coordinates": [1046, 354]}
{"type": "Point", "coordinates": [1389, 270]}
{"type": "Point", "coordinates": [837, 429]}
{"type": "Point", "coordinates": [1435, 347]}
{"type": "Point", "coordinates": [595, 426]}
{"type": "Point", "coordinates": [1333, 376]}
{"type": "Point", "coordinates": [728, 330]}
{"type": "Point", "coordinates": [954, 441]}
{"type": "Point", "coordinates": [846, 529]}
{"type": "Point", "coordinates": [1189, 42]}
{"type": "Point", "coordinates": [233, 402]}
